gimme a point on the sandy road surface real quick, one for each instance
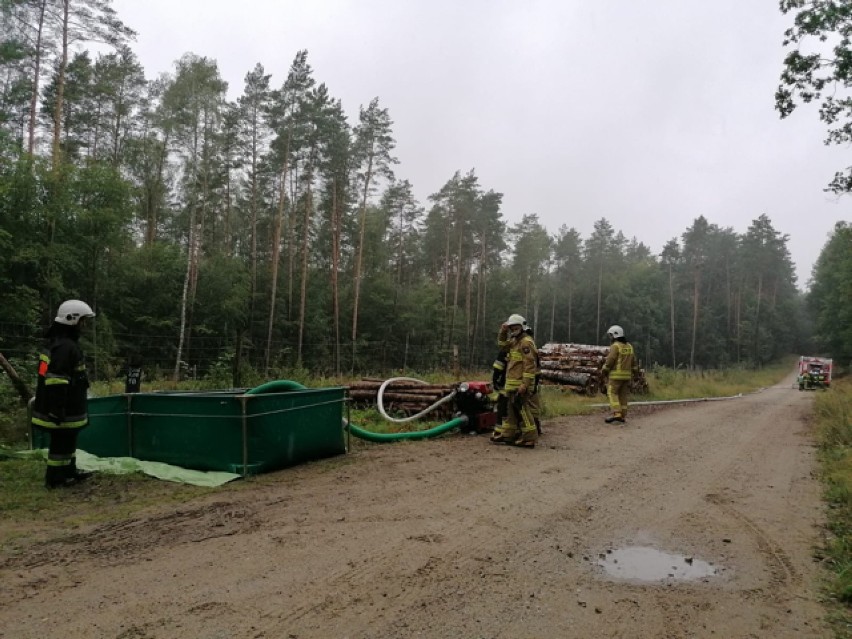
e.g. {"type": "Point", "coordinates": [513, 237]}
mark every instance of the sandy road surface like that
{"type": "Point", "coordinates": [459, 538]}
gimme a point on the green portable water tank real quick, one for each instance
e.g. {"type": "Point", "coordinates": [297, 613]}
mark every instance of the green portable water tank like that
{"type": "Point", "coordinates": [234, 431]}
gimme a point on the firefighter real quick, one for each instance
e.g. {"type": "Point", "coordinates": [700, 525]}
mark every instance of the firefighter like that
{"type": "Point", "coordinates": [817, 378]}
{"type": "Point", "coordinates": [498, 382]}
{"type": "Point", "coordinates": [60, 402]}
{"type": "Point", "coordinates": [519, 428]}
{"type": "Point", "coordinates": [535, 396]}
{"type": "Point", "coordinates": [618, 369]}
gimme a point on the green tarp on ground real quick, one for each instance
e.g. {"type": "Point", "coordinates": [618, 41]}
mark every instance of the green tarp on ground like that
{"type": "Point", "coordinates": [127, 465]}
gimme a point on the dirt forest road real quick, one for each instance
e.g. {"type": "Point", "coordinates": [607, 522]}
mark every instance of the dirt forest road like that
{"type": "Point", "coordinates": [459, 538]}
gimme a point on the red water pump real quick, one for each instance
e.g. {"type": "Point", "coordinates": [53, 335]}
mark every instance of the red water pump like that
{"type": "Point", "coordinates": [473, 400]}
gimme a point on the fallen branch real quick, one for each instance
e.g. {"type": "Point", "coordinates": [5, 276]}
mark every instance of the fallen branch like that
{"type": "Point", "coordinates": [17, 382]}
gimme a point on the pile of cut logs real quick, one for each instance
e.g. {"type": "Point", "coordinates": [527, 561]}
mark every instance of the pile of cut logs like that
{"type": "Point", "coordinates": [578, 367]}
{"type": "Point", "coordinates": [402, 398]}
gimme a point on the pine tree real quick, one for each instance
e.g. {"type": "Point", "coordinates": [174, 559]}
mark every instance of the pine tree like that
{"type": "Point", "coordinates": [372, 158]}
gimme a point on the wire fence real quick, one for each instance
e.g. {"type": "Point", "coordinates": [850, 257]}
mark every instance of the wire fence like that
{"type": "Point", "coordinates": [223, 357]}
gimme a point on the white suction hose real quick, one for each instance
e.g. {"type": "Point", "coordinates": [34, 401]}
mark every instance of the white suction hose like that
{"type": "Point", "coordinates": [402, 420]}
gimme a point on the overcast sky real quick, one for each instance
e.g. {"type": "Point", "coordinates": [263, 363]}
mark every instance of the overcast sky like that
{"type": "Point", "coordinates": [646, 113]}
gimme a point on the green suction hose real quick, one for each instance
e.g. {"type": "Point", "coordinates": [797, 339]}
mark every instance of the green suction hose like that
{"type": "Point", "coordinates": [395, 437]}
{"type": "Point", "coordinates": [286, 385]}
{"type": "Point", "coordinates": [276, 386]}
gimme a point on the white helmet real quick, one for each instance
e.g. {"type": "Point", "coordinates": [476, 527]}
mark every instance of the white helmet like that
{"type": "Point", "coordinates": [615, 331]}
{"type": "Point", "coordinates": [515, 319]}
{"type": "Point", "coordinates": [71, 311]}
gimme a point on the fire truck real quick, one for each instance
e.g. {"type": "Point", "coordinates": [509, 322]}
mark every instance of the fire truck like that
{"type": "Point", "coordinates": [814, 373]}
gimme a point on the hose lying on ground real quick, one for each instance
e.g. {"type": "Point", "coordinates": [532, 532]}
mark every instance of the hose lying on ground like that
{"type": "Point", "coordinates": [417, 434]}
{"type": "Point", "coordinates": [285, 385]}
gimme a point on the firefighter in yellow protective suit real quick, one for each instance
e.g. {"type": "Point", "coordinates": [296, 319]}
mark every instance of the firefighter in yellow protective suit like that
{"type": "Point", "coordinates": [519, 428]}
{"type": "Point", "coordinates": [535, 396]}
{"type": "Point", "coordinates": [618, 369]}
{"type": "Point", "coordinates": [498, 383]}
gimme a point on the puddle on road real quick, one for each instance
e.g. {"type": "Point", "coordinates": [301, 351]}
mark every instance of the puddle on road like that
{"type": "Point", "coordinates": [649, 564]}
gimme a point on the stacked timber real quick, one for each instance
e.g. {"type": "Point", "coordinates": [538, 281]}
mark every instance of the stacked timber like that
{"type": "Point", "coordinates": [402, 398]}
{"type": "Point", "coordinates": [574, 366]}
{"type": "Point", "coordinates": [578, 367]}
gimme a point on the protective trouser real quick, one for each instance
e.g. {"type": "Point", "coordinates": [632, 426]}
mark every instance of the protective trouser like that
{"type": "Point", "coordinates": [534, 401]}
{"type": "Point", "coordinates": [520, 423]}
{"type": "Point", "coordinates": [617, 391]}
{"type": "Point", "coordinates": [502, 409]}
{"type": "Point", "coordinates": [61, 460]}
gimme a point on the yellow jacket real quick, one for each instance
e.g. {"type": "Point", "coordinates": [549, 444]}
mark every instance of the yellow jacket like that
{"type": "Point", "coordinates": [522, 363]}
{"type": "Point", "coordinates": [620, 361]}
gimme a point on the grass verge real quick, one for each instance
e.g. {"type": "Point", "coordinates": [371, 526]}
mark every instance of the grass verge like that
{"type": "Point", "coordinates": [29, 512]}
{"type": "Point", "coordinates": [833, 412]}
{"type": "Point", "coordinates": [667, 384]}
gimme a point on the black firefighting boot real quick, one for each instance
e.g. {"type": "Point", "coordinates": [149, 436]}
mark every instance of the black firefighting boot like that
{"type": "Point", "coordinates": [77, 474]}
{"type": "Point", "coordinates": [538, 426]}
{"type": "Point", "coordinates": [615, 417]}
{"type": "Point", "coordinates": [59, 477]}
{"type": "Point", "coordinates": [64, 476]}
{"type": "Point", "coordinates": [54, 476]}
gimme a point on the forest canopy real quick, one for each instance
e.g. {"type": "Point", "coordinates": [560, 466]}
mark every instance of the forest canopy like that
{"type": "Point", "coordinates": [273, 232]}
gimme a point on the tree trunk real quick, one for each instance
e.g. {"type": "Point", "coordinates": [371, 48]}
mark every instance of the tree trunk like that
{"type": "Point", "coordinates": [477, 322]}
{"type": "Point", "coordinates": [291, 239]}
{"type": "Point", "coordinates": [117, 135]}
{"type": "Point", "coordinates": [253, 230]}
{"type": "Point", "coordinates": [236, 371]}
{"type": "Point", "coordinates": [36, 78]}
{"type": "Point", "coordinates": [570, 306]}
{"type": "Point", "coordinates": [189, 276]}
{"type": "Point", "coordinates": [359, 256]}
{"type": "Point", "coordinates": [153, 196]}
{"type": "Point", "coordinates": [535, 315]}
{"type": "Point", "coordinates": [672, 314]}
{"type": "Point", "coordinates": [456, 287]}
{"type": "Point", "coordinates": [200, 222]}
{"type": "Point", "coordinates": [552, 312]}
{"type": "Point", "coordinates": [185, 293]}
{"type": "Point", "coordinates": [227, 231]}
{"type": "Point", "coordinates": [600, 288]}
{"type": "Point", "coordinates": [17, 382]}
{"type": "Point", "coordinates": [695, 292]}
{"type": "Point", "coordinates": [276, 252]}
{"type": "Point", "coordinates": [757, 319]}
{"type": "Point", "coordinates": [728, 297]}
{"type": "Point", "coordinates": [739, 323]}
{"type": "Point", "coordinates": [467, 310]}
{"type": "Point", "coordinates": [446, 283]}
{"type": "Point", "coordinates": [60, 84]}
{"type": "Point", "coordinates": [400, 244]}
{"type": "Point", "coordinates": [95, 135]}
{"type": "Point", "coordinates": [335, 269]}
{"type": "Point", "coordinates": [484, 278]}
{"type": "Point", "coordinates": [304, 283]}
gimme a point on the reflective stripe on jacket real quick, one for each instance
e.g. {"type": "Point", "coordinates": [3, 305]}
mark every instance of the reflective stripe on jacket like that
{"type": "Point", "coordinates": [619, 361]}
{"type": "Point", "coordinates": [521, 367]}
{"type": "Point", "coordinates": [60, 400]}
